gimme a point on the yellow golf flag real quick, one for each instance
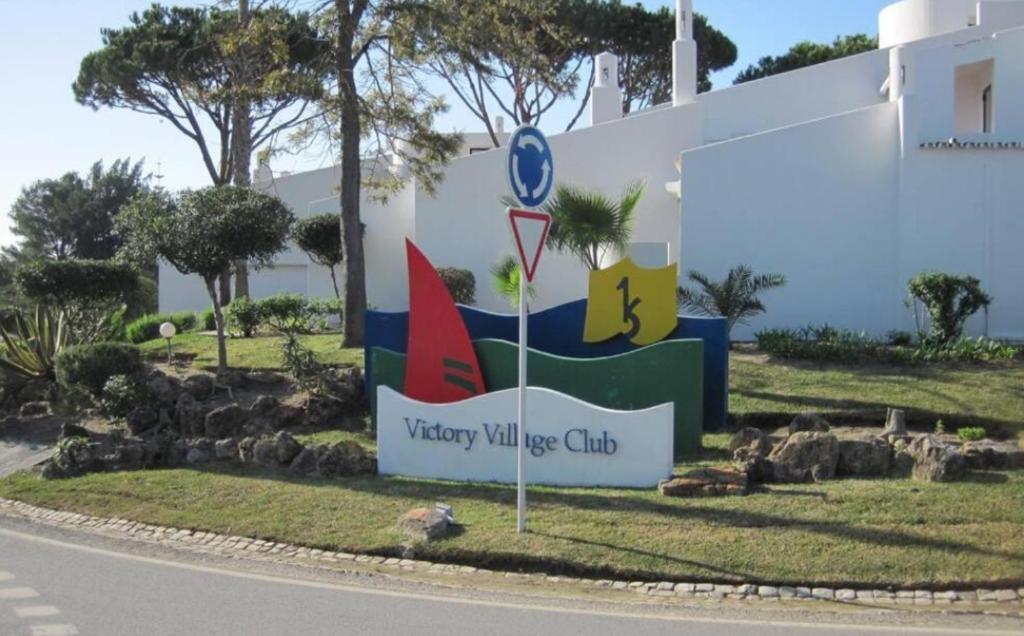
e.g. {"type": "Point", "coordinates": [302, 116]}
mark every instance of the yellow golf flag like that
{"type": "Point", "coordinates": [628, 299]}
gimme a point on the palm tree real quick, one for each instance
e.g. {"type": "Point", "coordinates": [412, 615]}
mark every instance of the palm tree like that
{"type": "Point", "coordinates": [588, 224]}
{"type": "Point", "coordinates": [735, 298]}
{"type": "Point", "coordinates": [505, 278]}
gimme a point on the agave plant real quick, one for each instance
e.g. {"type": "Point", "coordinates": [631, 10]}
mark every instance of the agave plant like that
{"type": "Point", "coordinates": [735, 298]}
{"type": "Point", "coordinates": [31, 347]}
{"type": "Point", "coordinates": [505, 277]}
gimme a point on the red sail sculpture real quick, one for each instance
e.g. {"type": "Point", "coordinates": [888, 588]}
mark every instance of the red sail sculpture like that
{"type": "Point", "coordinates": [442, 366]}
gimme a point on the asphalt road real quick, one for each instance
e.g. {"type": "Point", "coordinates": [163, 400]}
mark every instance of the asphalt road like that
{"type": "Point", "coordinates": [57, 583]}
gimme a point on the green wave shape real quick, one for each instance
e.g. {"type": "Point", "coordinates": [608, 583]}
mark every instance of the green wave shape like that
{"type": "Point", "coordinates": [669, 371]}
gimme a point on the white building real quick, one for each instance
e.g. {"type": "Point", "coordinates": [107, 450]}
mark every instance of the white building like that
{"type": "Point", "coordinates": [848, 177]}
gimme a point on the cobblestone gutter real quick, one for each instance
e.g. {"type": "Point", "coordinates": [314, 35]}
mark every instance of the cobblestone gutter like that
{"type": "Point", "coordinates": [990, 601]}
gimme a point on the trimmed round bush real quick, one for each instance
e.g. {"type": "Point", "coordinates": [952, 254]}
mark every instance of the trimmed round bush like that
{"type": "Point", "coordinates": [460, 283]}
{"type": "Point", "coordinates": [147, 327]}
{"type": "Point", "coordinates": [92, 365]}
{"type": "Point", "coordinates": [75, 281]}
{"type": "Point", "coordinates": [243, 317]}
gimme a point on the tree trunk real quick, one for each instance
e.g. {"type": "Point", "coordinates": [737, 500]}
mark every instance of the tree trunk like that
{"type": "Point", "coordinates": [241, 135]}
{"type": "Point", "coordinates": [354, 266]}
{"type": "Point", "coordinates": [224, 284]}
{"type": "Point", "coordinates": [222, 348]}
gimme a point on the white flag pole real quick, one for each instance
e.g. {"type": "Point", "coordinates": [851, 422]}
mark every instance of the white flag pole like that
{"type": "Point", "coordinates": [521, 421]}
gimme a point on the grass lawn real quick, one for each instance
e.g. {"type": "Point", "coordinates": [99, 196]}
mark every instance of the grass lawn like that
{"type": "Point", "coordinates": [262, 352]}
{"type": "Point", "coordinates": [855, 532]}
{"type": "Point", "coordinates": [849, 532]}
{"type": "Point", "coordinates": [989, 395]}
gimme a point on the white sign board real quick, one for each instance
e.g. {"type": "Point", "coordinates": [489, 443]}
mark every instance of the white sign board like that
{"type": "Point", "coordinates": [568, 442]}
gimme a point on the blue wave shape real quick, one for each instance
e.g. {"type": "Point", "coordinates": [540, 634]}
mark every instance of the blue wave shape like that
{"type": "Point", "coordinates": [559, 331]}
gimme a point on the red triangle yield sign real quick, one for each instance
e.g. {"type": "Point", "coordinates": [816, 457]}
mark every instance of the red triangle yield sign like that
{"type": "Point", "coordinates": [530, 232]}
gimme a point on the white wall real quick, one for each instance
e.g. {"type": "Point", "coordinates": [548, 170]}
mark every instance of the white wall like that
{"type": "Point", "coordinates": [608, 156]}
{"type": "Point", "coordinates": [815, 202]}
{"type": "Point", "coordinates": [912, 20]}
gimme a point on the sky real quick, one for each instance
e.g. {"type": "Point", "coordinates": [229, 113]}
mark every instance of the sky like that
{"type": "Point", "coordinates": [44, 132]}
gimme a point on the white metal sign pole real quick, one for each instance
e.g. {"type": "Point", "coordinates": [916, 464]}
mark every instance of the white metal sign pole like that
{"type": "Point", "coordinates": [521, 421]}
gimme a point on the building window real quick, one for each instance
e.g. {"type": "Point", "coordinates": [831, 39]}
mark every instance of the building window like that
{"type": "Point", "coordinates": [986, 109]}
{"type": "Point", "coordinates": [975, 106]}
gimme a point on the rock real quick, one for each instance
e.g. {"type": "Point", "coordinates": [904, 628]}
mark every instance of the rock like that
{"type": "Point", "coordinates": [231, 379]}
{"type": "Point", "coordinates": [752, 438]}
{"type": "Point", "coordinates": [322, 411]}
{"type": "Point", "coordinates": [805, 456]}
{"type": "Point", "coordinates": [67, 429]}
{"type": "Point", "coordinates": [902, 464]}
{"type": "Point", "coordinates": [990, 455]}
{"type": "Point", "coordinates": [706, 482]}
{"type": "Point", "coordinates": [34, 391]}
{"type": "Point", "coordinates": [225, 449]}
{"type": "Point", "coordinates": [810, 423]}
{"type": "Point", "coordinates": [247, 449]}
{"type": "Point", "coordinates": [345, 458]}
{"type": "Point", "coordinates": [287, 416]}
{"type": "Point", "coordinates": [287, 447]}
{"type": "Point", "coordinates": [142, 419]}
{"type": "Point", "coordinates": [189, 416]}
{"type": "Point", "coordinates": [935, 461]}
{"type": "Point", "coordinates": [305, 463]}
{"type": "Point", "coordinates": [427, 524]}
{"type": "Point", "coordinates": [264, 377]}
{"type": "Point", "coordinates": [264, 452]}
{"type": "Point", "coordinates": [197, 456]}
{"type": "Point", "coordinates": [34, 409]}
{"type": "Point", "coordinates": [264, 405]}
{"type": "Point", "coordinates": [130, 455]}
{"type": "Point", "coordinates": [347, 384]}
{"type": "Point", "coordinates": [199, 385]}
{"type": "Point", "coordinates": [895, 423]}
{"type": "Point", "coordinates": [869, 456]}
{"type": "Point", "coordinates": [753, 464]}
{"type": "Point", "coordinates": [162, 388]}
{"type": "Point", "coordinates": [227, 421]}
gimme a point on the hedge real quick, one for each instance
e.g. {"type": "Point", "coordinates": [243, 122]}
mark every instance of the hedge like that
{"type": "Point", "coordinates": [91, 365]}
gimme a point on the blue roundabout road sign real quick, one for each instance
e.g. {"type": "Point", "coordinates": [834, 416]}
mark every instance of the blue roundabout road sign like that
{"type": "Point", "coordinates": [531, 166]}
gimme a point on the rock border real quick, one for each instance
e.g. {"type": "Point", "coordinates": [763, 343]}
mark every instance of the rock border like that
{"type": "Point", "coordinates": [1004, 602]}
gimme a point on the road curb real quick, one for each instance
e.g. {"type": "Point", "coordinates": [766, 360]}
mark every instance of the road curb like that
{"type": "Point", "coordinates": [1003, 602]}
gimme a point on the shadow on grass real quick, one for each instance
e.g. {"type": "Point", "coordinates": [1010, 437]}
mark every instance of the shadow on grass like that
{"type": "Point", "coordinates": [846, 411]}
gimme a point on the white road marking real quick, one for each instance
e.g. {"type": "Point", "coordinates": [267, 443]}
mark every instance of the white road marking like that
{"type": "Point", "coordinates": [352, 589]}
{"type": "Point", "coordinates": [36, 611]}
{"type": "Point", "coordinates": [53, 630]}
{"type": "Point", "coordinates": [6, 576]}
{"type": "Point", "coordinates": [9, 593]}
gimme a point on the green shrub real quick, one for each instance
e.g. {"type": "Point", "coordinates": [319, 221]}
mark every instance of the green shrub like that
{"type": "Point", "coordinates": [121, 394]}
{"type": "Point", "coordinates": [971, 433]}
{"type": "Point", "coordinates": [460, 283]}
{"type": "Point", "coordinates": [303, 365]}
{"type": "Point", "coordinates": [91, 365]}
{"type": "Point", "coordinates": [897, 338]}
{"type": "Point", "coordinates": [829, 344]}
{"type": "Point", "coordinates": [950, 300]}
{"type": "Point", "coordinates": [88, 292]}
{"type": "Point", "coordinates": [940, 427]}
{"type": "Point", "coordinates": [824, 343]}
{"type": "Point", "coordinates": [207, 320]}
{"type": "Point", "coordinates": [147, 327]}
{"type": "Point", "coordinates": [294, 313]}
{"type": "Point", "coordinates": [963, 350]}
{"type": "Point", "coordinates": [243, 317]}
